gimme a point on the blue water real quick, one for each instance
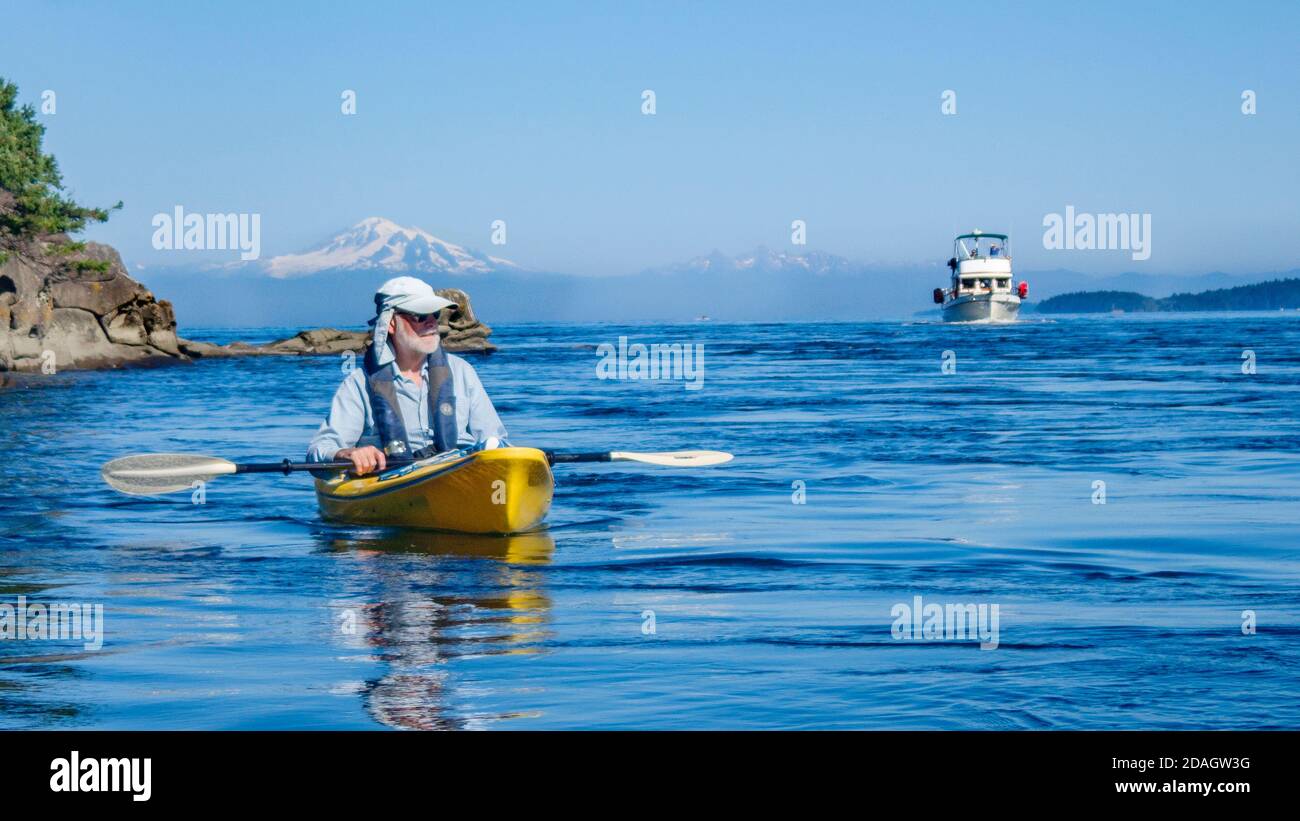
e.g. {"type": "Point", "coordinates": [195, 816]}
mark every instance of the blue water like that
{"type": "Point", "coordinates": [979, 487]}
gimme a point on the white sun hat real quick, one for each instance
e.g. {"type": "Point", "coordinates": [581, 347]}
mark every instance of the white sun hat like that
{"type": "Point", "coordinates": [411, 295]}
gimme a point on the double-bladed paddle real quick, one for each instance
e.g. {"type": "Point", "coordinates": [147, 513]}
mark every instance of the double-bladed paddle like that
{"type": "Point", "coordinates": [151, 474]}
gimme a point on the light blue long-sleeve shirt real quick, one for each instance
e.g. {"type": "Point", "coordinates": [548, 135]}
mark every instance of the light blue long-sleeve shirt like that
{"type": "Point", "coordinates": [351, 422]}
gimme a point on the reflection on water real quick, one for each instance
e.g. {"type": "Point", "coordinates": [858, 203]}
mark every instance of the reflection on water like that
{"type": "Point", "coordinates": [416, 626]}
{"type": "Point", "coordinates": [536, 547]}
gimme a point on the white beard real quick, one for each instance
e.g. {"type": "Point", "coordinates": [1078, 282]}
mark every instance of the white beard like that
{"type": "Point", "coordinates": [407, 339]}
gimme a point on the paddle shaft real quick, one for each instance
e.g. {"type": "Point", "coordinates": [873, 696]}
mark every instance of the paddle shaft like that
{"type": "Point", "coordinates": [557, 458]}
{"type": "Point", "coordinates": [286, 467]}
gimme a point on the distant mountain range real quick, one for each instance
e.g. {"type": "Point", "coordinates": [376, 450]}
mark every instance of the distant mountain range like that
{"type": "Point", "coordinates": [763, 260]}
{"type": "Point", "coordinates": [1278, 294]}
{"type": "Point", "coordinates": [333, 284]}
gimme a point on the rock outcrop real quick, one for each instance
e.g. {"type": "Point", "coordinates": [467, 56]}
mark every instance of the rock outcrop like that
{"type": "Point", "coordinates": [460, 329]}
{"type": "Point", "coordinates": [78, 310]}
{"type": "Point", "coordinates": [316, 342]}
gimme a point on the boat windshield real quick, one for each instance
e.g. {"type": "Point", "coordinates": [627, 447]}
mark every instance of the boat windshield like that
{"type": "Point", "coordinates": [982, 246]}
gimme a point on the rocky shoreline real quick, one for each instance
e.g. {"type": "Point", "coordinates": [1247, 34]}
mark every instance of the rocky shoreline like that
{"type": "Point", "coordinates": [461, 332]}
{"type": "Point", "coordinates": [80, 310]}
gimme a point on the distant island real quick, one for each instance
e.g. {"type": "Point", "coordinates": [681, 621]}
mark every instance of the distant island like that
{"type": "Point", "coordinates": [1277, 294]}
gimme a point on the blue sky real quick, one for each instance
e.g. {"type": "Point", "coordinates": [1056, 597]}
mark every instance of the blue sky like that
{"type": "Point", "coordinates": [767, 113]}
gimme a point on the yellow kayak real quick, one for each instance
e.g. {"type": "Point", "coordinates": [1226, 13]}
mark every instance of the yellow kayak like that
{"type": "Point", "coordinates": [507, 490]}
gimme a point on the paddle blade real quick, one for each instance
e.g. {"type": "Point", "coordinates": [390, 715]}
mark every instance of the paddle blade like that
{"type": "Point", "coordinates": [675, 458]}
{"type": "Point", "coordinates": [151, 474]}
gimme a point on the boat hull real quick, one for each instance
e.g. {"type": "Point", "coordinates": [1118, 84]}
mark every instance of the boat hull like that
{"type": "Point", "coordinates": [507, 490]}
{"type": "Point", "coordinates": [982, 308]}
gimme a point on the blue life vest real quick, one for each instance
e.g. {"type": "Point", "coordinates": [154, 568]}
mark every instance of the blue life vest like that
{"type": "Point", "coordinates": [388, 417]}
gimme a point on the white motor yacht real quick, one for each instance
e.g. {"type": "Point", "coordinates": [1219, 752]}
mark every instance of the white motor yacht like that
{"type": "Point", "coordinates": [982, 288]}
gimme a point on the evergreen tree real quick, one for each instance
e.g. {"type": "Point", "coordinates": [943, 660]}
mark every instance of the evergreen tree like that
{"type": "Point", "coordinates": [32, 202]}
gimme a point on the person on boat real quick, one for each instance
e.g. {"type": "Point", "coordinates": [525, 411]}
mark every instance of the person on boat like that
{"type": "Point", "coordinates": [411, 399]}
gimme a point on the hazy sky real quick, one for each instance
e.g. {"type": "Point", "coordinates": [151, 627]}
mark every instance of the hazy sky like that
{"type": "Point", "coordinates": [766, 113]}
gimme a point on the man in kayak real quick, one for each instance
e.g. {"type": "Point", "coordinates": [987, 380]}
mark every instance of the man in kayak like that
{"type": "Point", "coordinates": [411, 399]}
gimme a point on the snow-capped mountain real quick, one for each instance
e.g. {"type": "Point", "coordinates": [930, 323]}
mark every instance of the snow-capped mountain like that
{"type": "Point", "coordinates": [378, 243]}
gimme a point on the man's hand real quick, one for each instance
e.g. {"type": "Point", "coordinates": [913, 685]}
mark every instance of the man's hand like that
{"type": "Point", "coordinates": [364, 460]}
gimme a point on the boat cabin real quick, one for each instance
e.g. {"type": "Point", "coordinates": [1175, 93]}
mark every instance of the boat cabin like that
{"type": "Point", "coordinates": [981, 264]}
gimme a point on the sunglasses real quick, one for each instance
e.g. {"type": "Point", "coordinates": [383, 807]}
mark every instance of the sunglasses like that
{"type": "Point", "coordinates": [419, 318]}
